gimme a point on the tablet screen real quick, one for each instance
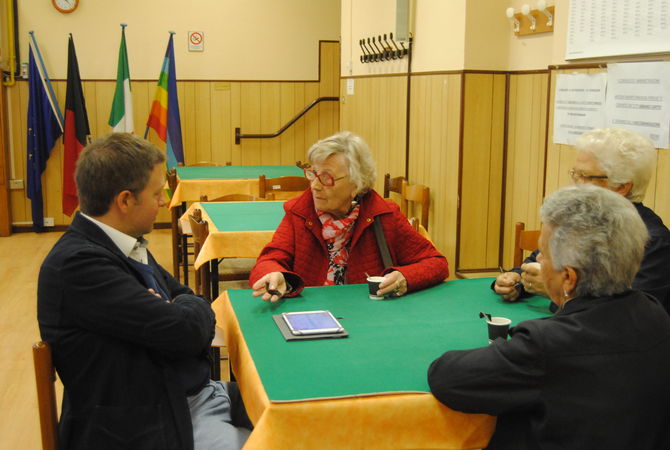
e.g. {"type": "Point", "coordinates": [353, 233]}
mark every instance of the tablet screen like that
{"type": "Point", "coordinates": [312, 322]}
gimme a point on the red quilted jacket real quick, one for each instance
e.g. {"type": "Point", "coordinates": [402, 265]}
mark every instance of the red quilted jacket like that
{"type": "Point", "coordinates": [299, 251]}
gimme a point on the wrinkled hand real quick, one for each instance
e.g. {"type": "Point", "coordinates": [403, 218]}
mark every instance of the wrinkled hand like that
{"type": "Point", "coordinates": [271, 286]}
{"type": "Point", "coordinates": [532, 279]}
{"type": "Point", "coordinates": [505, 286]}
{"type": "Point", "coordinates": [394, 283]}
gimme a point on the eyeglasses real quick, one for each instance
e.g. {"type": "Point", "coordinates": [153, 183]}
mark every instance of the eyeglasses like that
{"type": "Point", "coordinates": [325, 179]}
{"type": "Point", "coordinates": [576, 176]}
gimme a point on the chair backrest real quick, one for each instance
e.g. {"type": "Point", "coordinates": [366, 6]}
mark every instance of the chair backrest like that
{"type": "Point", "coordinates": [392, 185]}
{"type": "Point", "coordinates": [301, 165]}
{"type": "Point", "coordinates": [420, 229]}
{"type": "Point", "coordinates": [200, 230]}
{"type": "Point", "coordinates": [229, 198]}
{"type": "Point", "coordinates": [289, 186]}
{"type": "Point", "coordinates": [205, 164]}
{"type": "Point", "coordinates": [45, 377]}
{"type": "Point", "coordinates": [417, 194]}
{"type": "Point", "coordinates": [523, 240]}
{"type": "Point", "coordinates": [172, 179]}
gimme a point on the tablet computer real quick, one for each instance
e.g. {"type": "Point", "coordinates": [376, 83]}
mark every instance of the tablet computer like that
{"type": "Point", "coordinates": [312, 322]}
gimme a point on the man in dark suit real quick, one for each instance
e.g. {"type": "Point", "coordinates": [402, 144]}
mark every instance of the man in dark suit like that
{"type": "Point", "coordinates": [594, 375]}
{"type": "Point", "coordinates": [130, 343]}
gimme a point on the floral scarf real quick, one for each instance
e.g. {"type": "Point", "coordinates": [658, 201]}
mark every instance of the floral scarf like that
{"type": "Point", "coordinates": [337, 234]}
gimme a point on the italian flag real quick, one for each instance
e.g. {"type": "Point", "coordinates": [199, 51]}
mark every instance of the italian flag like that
{"type": "Point", "coordinates": [121, 117]}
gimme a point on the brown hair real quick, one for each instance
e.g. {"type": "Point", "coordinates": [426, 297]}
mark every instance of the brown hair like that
{"type": "Point", "coordinates": [111, 164]}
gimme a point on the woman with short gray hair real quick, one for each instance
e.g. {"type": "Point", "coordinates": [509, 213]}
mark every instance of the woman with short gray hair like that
{"type": "Point", "coordinates": [623, 162]}
{"type": "Point", "coordinates": [592, 375]}
{"type": "Point", "coordinates": [328, 235]}
{"type": "Point", "coordinates": [623, 156]}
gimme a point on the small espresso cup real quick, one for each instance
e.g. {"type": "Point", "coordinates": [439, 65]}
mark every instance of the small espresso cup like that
{"type": "Point", "coordinates": [373, 287]}
{"type": "Point", "coordinates": [498, 328]}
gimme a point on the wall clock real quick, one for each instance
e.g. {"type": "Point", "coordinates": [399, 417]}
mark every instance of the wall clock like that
{"type": "Point", "coordinates": [65, 6]}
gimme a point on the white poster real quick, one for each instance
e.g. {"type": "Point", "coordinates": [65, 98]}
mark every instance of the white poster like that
{"type": "Point", "coordinates": [599, 28]}
{"type": "Point", "coordinates": [638, 96]}
{"type": "Point", "coordinates": [579, 105]}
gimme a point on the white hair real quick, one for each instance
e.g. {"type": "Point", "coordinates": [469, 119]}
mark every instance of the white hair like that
{"type": "Point", "coordinates": [361, 166]}
{"type": "Point", "coordinates": [624, 156]}
{"type": "Point", "coordinates": [598, 233]}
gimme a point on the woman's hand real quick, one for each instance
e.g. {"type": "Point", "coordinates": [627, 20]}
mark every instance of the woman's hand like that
{"type": "Point", "coordinates": [271, 286]}
{"type": "Point", "coordinates": [506, 286]}
{"type": "Point", "coordinates": [394, 283]}
{"type": "Point", "coordinates": [532, 279]}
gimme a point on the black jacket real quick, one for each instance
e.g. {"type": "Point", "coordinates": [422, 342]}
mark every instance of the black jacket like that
{"type": "Point", "coordinates": [593, 376]}
{"type": "Point", "coordinates": [654, 274]}
{"type": "Point", "coordinates": [127, 359]}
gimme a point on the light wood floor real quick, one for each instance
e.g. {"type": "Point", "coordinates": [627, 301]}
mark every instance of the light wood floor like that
{"type": "Point", "coordinates": [20, 258]}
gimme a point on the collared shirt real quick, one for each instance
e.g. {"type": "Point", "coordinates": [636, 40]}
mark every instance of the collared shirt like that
{"type": "Point", "coordinates": [129, 246]}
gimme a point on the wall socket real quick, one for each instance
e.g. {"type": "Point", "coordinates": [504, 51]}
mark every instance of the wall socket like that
{"type": "Point", "coordinates": [49, 222]}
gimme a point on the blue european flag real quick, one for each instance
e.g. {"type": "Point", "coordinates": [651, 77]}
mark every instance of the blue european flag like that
{"type": "Point", "coordinates": [44, 128]}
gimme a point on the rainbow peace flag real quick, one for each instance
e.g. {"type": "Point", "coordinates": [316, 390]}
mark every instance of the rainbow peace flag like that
{"type": "Point", "coordinates": [164, 115]}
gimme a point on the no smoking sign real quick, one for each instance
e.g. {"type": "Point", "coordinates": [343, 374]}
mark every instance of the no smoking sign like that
{"type": "Point", "coordinates": [196, 41]}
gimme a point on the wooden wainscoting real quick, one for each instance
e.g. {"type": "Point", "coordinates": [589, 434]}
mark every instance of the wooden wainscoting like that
{"type": "Point", "coordinates": [481, 171]}
{"type": "Point", "coordinates": [435, 119]}
{"type": "Point", "coordinates": [526, 139]}
{"type": "Point", "coordinates": [377, 112]}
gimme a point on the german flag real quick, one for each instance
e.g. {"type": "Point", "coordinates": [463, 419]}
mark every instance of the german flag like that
{"type": "Point", "coordinates": [77, 132]}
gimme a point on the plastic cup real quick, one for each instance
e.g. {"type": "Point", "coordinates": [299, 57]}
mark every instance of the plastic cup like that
{"type": "Point", "coordinates": [498, 328]}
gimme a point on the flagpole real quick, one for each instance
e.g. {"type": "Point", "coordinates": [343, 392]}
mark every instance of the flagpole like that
{"type": "Point", "coordinates": [46, 76]}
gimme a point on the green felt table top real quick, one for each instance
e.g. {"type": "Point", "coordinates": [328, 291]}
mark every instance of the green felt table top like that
{"type": "Point", "coordinates": [391, 342]}
{"type": "Point", "coordinates": [245, 216]}
{"type": "Point", "coordinates": [237, 172]}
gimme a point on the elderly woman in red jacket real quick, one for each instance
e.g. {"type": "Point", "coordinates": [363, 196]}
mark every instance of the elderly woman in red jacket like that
{"type": "Point", "coordinates": [327, 235]}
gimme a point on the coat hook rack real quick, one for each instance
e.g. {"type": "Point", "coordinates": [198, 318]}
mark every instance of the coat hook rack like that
{"type": "Point", "coordinates": [378, 49]}
{"type": "Point", "coordinates": [364, 55]}
{"type": "Point", "coordinates": [390, 52]}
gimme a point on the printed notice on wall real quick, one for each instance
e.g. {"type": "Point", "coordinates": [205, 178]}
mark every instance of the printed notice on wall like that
{"type": "Point", "coordinates": [638, 96]}
{"type": "Point", "coordinates": [579, 105]}
{"type": "Point", "coordinates": [599, 28]}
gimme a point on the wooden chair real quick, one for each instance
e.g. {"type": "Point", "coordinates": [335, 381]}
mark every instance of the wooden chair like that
{"type": "Point", "coordinates": [220, 369]}
{"type": "Point", "coordinates": [524, 240]}
{"type": "Point", "coordinates": [414, 221]}
{"type": "Point", "coordinates": [204, 164]}
{"type": "Point", "coordinates": [180, 242]}
{"type": "Point", "coordinates": [229, 198]}
{"type": "Point", "coordinates": [200, 230]}
{"type": "Point", "coordinates": [289, 187]}
{"type": "Point", "coordinates": [45, 378]}
{"type": "Point", "coordinates": [392, 185]}
{"type": "Point", "coordinates": [234, 269]}
{"type": "Point", "coordinates": [301, 165]}
{"type": "Point", "coordinates": [417, 194]}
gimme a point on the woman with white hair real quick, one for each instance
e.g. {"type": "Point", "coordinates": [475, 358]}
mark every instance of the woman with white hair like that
{"type": "Point", "coordinates": [327, 236]}
{"type": "Point", "coordinates": [594, 374]}
{"type": "Point", "coordinates": [621, 161]}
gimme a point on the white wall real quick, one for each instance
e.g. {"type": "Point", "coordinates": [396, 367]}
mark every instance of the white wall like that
{"type": "Point", "coordinates": [244, 39]}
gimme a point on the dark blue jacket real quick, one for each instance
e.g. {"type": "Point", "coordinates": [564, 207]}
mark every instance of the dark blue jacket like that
{"type": "Point", "coordinates": [654, 274]}
{"type": "Point", "coordinates": [593, 376]}
{"type": "Point", "coordinates": [127, 359]}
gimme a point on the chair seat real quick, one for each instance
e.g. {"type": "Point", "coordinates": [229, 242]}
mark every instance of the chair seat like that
{"type": "Point", "coordinates": [235, 268]}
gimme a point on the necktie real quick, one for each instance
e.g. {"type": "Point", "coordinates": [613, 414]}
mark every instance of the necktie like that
{"type": "Point", "coordinates": [148, 276]}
